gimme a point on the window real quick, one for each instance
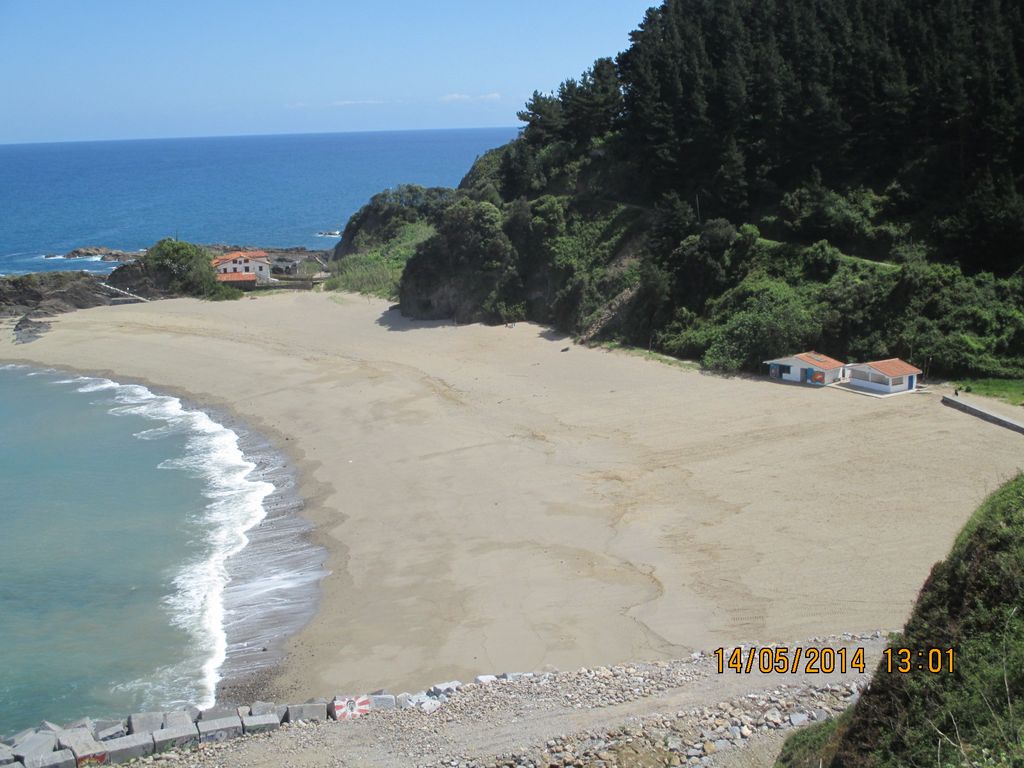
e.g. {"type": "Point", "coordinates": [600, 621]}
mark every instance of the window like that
{"type": "Point", "coordinates": [246, 269]}
{"type": "Point", "coordinates": [234, 269]}
{"type": "Point", "coordinates": [859, 374]}
{"type": "Point", "coordinates": [785, 369]}
{"type": "Point", "coordinates": [897, 381]}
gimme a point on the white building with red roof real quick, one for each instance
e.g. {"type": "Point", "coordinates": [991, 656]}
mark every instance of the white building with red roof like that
{"type": "Point", "coordinates": [807, 368]}
{"type": "Point", "coordinates": [255, 263]}
{"type": "Point", "coordinates": [886, 377]}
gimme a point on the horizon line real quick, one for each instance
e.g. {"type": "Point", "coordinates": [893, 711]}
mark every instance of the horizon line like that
{"type": "Point", "coordinates": [259, 135]}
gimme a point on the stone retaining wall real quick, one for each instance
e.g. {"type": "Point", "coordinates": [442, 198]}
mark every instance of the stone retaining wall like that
{"type": "Point", "coordinates": [980, 411]}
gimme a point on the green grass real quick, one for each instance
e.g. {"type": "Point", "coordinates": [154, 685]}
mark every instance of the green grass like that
{"type": "Point", "coordinates": [363, 273]}
{"type": "Point", "coordinates": [808, 747]}
{"type": "Point", "coordinates": [1010, 390]}
{"type": "Point", "coordinates": [378, 270]}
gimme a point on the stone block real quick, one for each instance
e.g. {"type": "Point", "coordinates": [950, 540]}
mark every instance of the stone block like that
{"type": "Point", "coordinates": [177, 737]}
{"type": "Point", "coordinates": [65, 758]}
{"type": "Point", "coordinates": [243, 711]}
{"type": "Point", "coordinates": [383, 701]}
{"type": "Point", "coordinates": [485, 679]}
{"type": "Point", "coordinates": [218, 713]}
{"type": "Point", "coordinates": [129, 747]}
{"type": "Point", "coordinates": [281, 710]}
{"type": "Point", "coordinates": [111, 729]}
{"type": "Point", "coordinates": [445, 688]}
{"type": "Point", "coordinates": [403, 700]}
{"type": "Point", "coordinates": [46, 725]}
{"type": "Point", "coordinates": [260, 723]}
{"type": "Point", "coordinates": [83, 744]}
{"type": "Point", "coordinates": [221, 729]}
{"type": "Point", "coordinates": [193, 712]}
{"type": "Point", "coordinates": [114, 732]}
{"type": "Point", "coordinates": [144, 722]}
{"type": "Point", "coordinates": [179, 719]}
{"type": "Point", "coordinates": [82, 722]}
{"type": "Point", "coordinates": [20, 736]}
{"type": "Point", "coordinates": [6, 755]}
{"type": "Point", "coordinates": [315, 712]}
{"type": "Point", "coordinates": [430, 706]}
{"type": "Point", "coordinates": [36, 743]}
{"type": "Point", "coordinates": [262, 708]}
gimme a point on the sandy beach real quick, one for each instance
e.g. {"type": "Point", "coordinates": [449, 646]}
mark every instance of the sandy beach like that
{"type": "Point", "coordinates": [501, 499]}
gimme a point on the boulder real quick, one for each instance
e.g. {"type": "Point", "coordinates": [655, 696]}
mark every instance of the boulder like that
{"type": "Point", "coordinates": [221, 729]}
{"type": "Point", "coordinates": [403, 700]}
{"type": "Point", "coordinates": [798, 718]}
{"type": "Point", "coordinates": [484, 679]}
{"type": "Point", "coordinates": [129, 747]}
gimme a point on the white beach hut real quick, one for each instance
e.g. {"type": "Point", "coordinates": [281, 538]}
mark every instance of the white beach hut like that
{"type": "Point", "coordinates": [807, 368]}
{"type": "Point", "coordinates": [886, 377]}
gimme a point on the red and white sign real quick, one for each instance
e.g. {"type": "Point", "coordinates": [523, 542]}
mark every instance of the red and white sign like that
{"type": "Point", "coordinates": [350, 708]}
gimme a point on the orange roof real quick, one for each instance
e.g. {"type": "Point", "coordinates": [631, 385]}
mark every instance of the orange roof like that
{"type": "Point", "coordinates": [893, 367]}
{"type": "Point", "coordinates": [239, 255]}
{"type": "Point", "coordinates": [237, 277]}
{"type": "Point", "coordinates": [818, 360]}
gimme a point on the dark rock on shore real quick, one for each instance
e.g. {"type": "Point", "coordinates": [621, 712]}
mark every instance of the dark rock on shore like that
{"type": "Point", "coordinates": [105, 254]}
{"type": "Point", "coordinates": [44, 294]}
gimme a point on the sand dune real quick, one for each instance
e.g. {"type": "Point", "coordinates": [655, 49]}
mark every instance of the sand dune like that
{"type": "Point", "coordinates": [501, 499]}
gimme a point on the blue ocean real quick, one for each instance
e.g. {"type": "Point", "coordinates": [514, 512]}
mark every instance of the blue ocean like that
{"type": "Point", "coordinates": [153, 549]}
{"type": "Point", "coordinates": [249, 190]}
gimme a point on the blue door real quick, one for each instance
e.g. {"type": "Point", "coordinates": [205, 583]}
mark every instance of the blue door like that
{"type": "Point", "coordinates": [809, 375]}
{"type": "Point", "coordinates": [910, 381]}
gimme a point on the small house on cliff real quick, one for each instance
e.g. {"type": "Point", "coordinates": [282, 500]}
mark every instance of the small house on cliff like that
{"type": "Point", "coordinates": [886, 377]}
{"type": "Point", "coordinates": [807, 368]}
{"type": "Point", "coordinates": [254, 263]}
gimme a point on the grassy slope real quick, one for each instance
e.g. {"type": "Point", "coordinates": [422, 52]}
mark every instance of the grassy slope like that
{"type": "Point", "coordinates": [378, 269]}
{"type": "Point", "coordinates": [973, 602]}
{"type": "Point", "coordinates": [1010, 390]}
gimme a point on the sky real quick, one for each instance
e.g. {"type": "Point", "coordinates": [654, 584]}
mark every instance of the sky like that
{"type": "Point", "coordinates": [72, 70]}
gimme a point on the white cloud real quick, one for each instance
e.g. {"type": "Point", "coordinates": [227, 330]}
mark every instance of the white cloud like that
{"type": "Point", "coordinates": [491, 97]}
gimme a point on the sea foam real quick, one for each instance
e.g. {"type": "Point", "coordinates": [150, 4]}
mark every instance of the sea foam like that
{"type": "Point", "coordinates": [235, 505]}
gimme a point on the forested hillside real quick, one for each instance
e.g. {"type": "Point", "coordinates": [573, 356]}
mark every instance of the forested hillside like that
{"type": "Point", "coordinates": [751, 177]}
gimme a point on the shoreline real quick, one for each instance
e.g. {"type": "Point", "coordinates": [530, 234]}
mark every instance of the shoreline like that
{"type": "Point", "coordinates": [259, 615]}
{"type": "Point", "coordinates": [485, 506]}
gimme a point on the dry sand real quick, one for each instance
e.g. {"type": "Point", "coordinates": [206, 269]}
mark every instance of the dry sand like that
{"type": "Point", "coordinates": [502, 499]}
